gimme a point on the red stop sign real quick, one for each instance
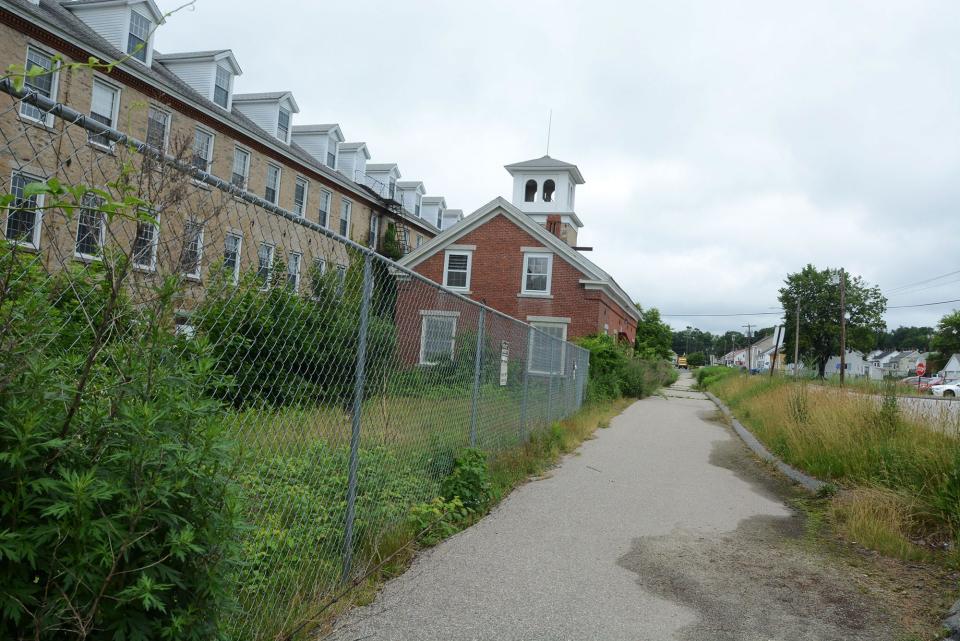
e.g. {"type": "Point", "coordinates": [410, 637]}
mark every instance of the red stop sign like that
{"type": "Point", "coordinates": [921, 369]}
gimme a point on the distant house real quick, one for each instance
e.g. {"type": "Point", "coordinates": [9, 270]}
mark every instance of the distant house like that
{"type": "Point", "coordinates": [905, 363]}
{"type": "Point", "coordinates": [952, 369]}
{"type": "Point", "coordinates": [855, 362]}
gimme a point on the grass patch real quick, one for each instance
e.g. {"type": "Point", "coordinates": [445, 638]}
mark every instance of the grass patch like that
{"type": "Point", "coordinates": [898, 476]}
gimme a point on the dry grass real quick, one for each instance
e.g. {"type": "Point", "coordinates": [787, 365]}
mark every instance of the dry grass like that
{"type": "Point", "coordinates": [900, 474]}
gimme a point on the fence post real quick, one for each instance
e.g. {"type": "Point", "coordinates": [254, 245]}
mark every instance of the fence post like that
{"type": "Point", "coordinates": [477, 359]}
{"type": "Point", "coordinates": [523, 394]}
{"type": "Point", "coordinates": [358, 384]}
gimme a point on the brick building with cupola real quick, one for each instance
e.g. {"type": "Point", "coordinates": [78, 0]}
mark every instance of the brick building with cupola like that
{"type": "Point", "coordinates": [521, 258]}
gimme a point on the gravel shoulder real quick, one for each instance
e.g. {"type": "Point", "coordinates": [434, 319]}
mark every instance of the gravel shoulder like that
{"type": "Point", "coordinates": [661, 527]}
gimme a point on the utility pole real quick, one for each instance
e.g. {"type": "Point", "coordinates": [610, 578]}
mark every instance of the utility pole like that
{"type": "Point", "coordinates": [796, 342]}
{"type": "Point", "coordinates": [843, 325]}
{"type": "Point", "coordinates": [749, 348]}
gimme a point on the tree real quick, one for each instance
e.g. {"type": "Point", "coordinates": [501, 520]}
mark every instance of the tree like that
{"type": "Point", "coordinates": [906, 338]}
{"type": "Point", "coordinates": [818, 291]}
{"type": "Point", "coordinates": [653, 335]}
{"type": "Point", "coordinates": [697, 359]}
{"type": "Point", "coordinates": [391, 248]}
{"type": "Point", "coordinates": [946, 340]}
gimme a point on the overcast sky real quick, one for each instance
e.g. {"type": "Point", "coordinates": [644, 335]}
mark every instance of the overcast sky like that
{"type": "Point", "coordinates": [724, 144]}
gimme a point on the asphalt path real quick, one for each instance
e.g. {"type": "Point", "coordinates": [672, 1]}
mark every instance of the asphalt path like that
{"type": "Point", "coordinates": [662, 527]}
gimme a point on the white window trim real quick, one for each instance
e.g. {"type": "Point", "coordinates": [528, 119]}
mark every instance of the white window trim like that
{"type": "Point", "coordinates": [273, 255]}
{"type": "Point", "coordinates": [346, 206]}
{"type": "Point", "coordinates": [76, 236]}
{"type": "Point", "coordinates": [113, 117]}
{"type": "Point", "coordinates": [166, 127]}
{"type": "Point", "coordinates": [34, 242]}
{"type": "Point", "coordinates": [296, 276]}
{"type": "Point", "coordinates": [236, 266]}
{"type": "Point", "coordinates": [281, 109]}
{"type": "Point", "coordinates": [147, 44]}
{"type": "Point", "coordinates": [195, 274]}
{"type": "Point", "coordinates": [229, 87]}
{"type": "Point", "coordinates": [537, 325]}
{"type": "Point", "coordinates": [213, 141]}
{"type": "Point", "coordinates": [306, 191]}
{"type": "Point", "coordinates": [329, 196]}
{"type": "Point", "coordinates": [154, 245]}
{"type": "Point", "coordinates": [279, 181]}
{"type": "Point", "coordinates": [434, 313]}
{"type": "Point", "coordinates": [246, 173]}
{"type": "Point", "coordinates": [523, 275]}
{"type": "Point", "coordinates": [446, 262]}
{"type": "Point", "coordinates": [47, 120]}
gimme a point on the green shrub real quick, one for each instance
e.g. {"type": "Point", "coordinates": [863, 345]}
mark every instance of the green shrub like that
{"type": "Point", "coordinates": [437, 520]}
{"type": "Point", "coordinates": [117, 518]}
{"type": "Point", "coordinates": [469, 481]}
{"type": "Point", "coordinates": [707, 376]}
{"type": "Point", "coordinates": [615, 372]}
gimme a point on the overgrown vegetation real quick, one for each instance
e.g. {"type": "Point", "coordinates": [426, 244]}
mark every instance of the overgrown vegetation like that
{"type": "Point", "coordinates": [615, 372]}
{"type": "Point", "coordinates": [899, 475]}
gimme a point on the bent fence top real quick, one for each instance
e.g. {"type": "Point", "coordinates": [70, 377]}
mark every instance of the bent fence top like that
{"type": "Point", "coordinates": [344, 383]}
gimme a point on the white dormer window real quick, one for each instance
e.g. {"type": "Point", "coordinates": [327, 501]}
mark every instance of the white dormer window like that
{"type": "Point", "coordinates": [456, 269]}
{"type": "Point", "coordinates": [332, 154]}
{"type": "Point", "coordinates": [439, 218]}
{"type": "Point", "coordinates": [140, 27]}
{"type": "Point", "coordinates": [416, 206]}
{"type": "Point", "coordinates": [283, 125]}
{"type": "Point", "coordinates": [221, 87]}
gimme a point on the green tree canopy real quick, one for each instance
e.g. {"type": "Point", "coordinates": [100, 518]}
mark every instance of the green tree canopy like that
{"type": "Point", "coordinates": [653, 335]}
{"type": "Point", "coordinates": [947, 338]}
{"type": "Point", "coordinates": [818, 291]}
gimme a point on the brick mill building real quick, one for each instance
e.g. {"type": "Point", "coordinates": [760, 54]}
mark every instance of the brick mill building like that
{"type": "Point", "coordinates": [521, 259]}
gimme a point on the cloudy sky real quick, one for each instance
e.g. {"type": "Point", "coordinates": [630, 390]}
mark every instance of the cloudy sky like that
{"type": "Point", "coordinates": [724, 144]}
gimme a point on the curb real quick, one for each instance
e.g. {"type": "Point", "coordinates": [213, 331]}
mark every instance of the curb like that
{"type": "Point", "coordinates": [808, 482]}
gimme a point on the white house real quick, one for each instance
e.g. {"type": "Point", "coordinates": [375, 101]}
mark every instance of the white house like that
{"type": "Point", "coordinates": [856, 364]}
{"type": "Point", "coordinates": [951, 371]}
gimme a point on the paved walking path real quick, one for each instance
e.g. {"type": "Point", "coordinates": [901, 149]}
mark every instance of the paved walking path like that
{"type": "Point", "coordinates": [661, 528]}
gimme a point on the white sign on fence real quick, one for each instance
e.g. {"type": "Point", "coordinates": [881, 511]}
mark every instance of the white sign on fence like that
{"type": "Point", "coordinates": [504, 358]}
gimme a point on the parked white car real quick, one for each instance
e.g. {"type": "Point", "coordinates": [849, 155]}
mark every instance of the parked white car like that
{"type": "Point", "coordinates": [948, 390]}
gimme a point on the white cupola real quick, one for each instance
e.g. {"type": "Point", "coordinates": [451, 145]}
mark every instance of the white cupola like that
{"type": "Point", "coordinates": [545, 188]}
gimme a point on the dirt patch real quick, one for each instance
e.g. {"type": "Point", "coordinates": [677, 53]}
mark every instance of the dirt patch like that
{"type": "Point", "coordinates": [748, 585]}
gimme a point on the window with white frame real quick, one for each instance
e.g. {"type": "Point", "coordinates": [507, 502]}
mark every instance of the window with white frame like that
{"type": "Point", "coordinates": [90, 227]}
{"type": "Point", "coordinates": [272, 191]}
{"type": "Point", "coordinates": [456, 269]}
{"type": "Point", "coordinates": [300, 196]}
{"type": "Point", "coordinates": [416, 206]}
{"type": "Point", "coordinates": [547, 347]}
{"type": "Point", "coordinates": [419, 240]}
{"type": "Point", "coordinates": [438, 333]}
{"type": "Point", "coordinates": [140, 27]}
{"type": "Point", "coordinates": [44, 83]}
{"type": "Point", "coordinates": [24, 214]}
{"type": "Point", "coordinates": [374, 231]}
{"type": "Point", "coordinates": [158, 128]}
{"type": "Point", "coordinates": [104, 106]}
{"type": "Point", "coordinates": [346, 207]}
{"type": "Point", "coordinates": [341, 279]}
{"type": "Point", "coordinates": [146, 240]}
{"type": "Point", "coordinates": [283, 124]}
{"type": "Point", "coordinates": [232, 243]}
{"type": "Point", "coordinates": [241, 168]}
{"type": "Point", "coordinates": [221, 86]}
{"type": "Point", "coordinates": [332, 154]}
{"type": "Point", "coordinates": [324, 213]}
{"type": "Point", "coordinates": [202, 149]}
{"type": "Point", "coordinates": [316, 277]}
{"type": "Point", "coordinates": [293, 271]}
{"type": "Point", "coordinates": [192, 252]}
{"type": "Point", "coordinates": [537, 273]}
{"type": "Point", "coordinates": [265, 264]}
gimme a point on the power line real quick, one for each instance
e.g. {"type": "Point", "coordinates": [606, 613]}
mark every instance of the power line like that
{"type": "Point", "coordinates": [900, 288]}
{"type": "Point", "coordinates": [923, 289]}
{"type": "Point", "coordinates": [939, 302]}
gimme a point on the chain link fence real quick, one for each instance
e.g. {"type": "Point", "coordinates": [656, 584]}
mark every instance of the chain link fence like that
{"type": "Point", "coordinates": [345, 383]}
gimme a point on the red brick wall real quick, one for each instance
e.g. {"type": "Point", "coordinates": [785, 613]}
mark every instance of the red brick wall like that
{"type": "Point", "coordinates": [496, 280]}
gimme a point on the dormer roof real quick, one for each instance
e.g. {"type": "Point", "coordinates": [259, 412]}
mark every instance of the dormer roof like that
{"type": "Point", "coordinates": [328, 129]}
{"type": "Point", "coordinates": [355, 146]}
{"type": "Point", "coordinates": [213, 55]}
{"type": "Point", "coordinates": [268, 96]}
{"type": "Point", "coordinates": [435, 200]}
{"type": "Point", "coordinates": [155, 14]}
{"type": "Point", "coordinates": [412, 185]}
{"type": "Point", "coordinates": [390, 168]}
{"type": "Point", "coordinates": [545, 163]}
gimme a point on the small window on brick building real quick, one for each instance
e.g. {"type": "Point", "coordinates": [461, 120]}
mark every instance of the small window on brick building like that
{"type": "Point", "coordinates": [456, 270]}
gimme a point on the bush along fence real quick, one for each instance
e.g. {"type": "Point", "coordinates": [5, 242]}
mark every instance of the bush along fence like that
{"type": "Point", "coordinates": [216, 413]}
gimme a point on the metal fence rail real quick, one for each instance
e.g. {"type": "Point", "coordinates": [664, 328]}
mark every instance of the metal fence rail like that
{"type": "Point", "coordinates": [346, 382]}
